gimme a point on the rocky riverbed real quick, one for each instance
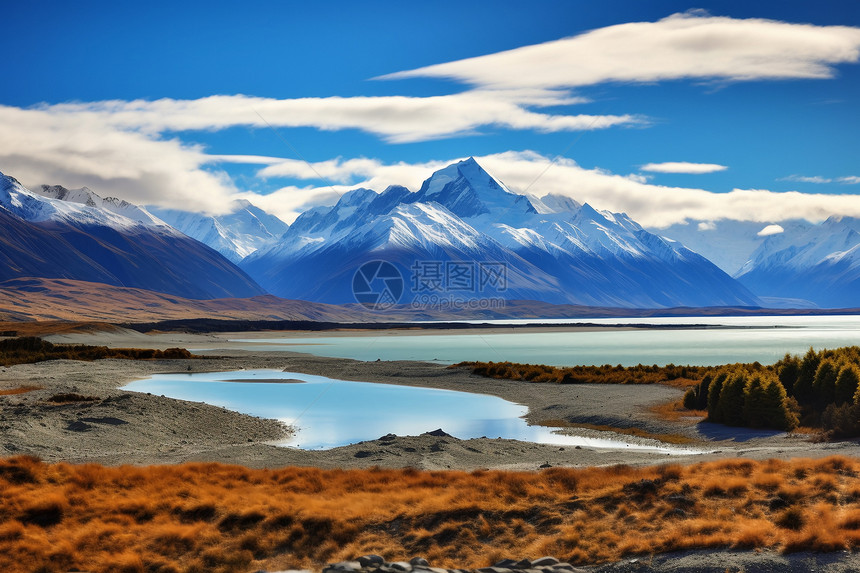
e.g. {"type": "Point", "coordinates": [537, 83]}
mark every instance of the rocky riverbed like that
{"type": "Point", "coordinates": [728, 561]}
{"type": "Point", "coordinates": [120, 427]}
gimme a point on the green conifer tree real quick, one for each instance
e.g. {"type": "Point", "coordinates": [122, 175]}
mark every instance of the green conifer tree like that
{"type": "Point", "coordinates": [731, 406]}
{"type": "Point", "coordinates": [847, 383]}
{"type": "Point", "coordinates": [779, 414]}
{"type": "Point", "coordinates": [702, 393]}
{"type": "Point", "coordinates": [756, 408]}
{"type": "Point", "coordinates": [788, 369]}
{"type": "Point", "coordinates": [714, 391]}
{"type": "Point", "coordinates": [806, 376]}
{"type": "Point", "coordinates": [824, 384]}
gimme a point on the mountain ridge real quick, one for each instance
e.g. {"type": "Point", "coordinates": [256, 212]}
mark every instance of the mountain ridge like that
{"type": "Point", "coordinates": [235, 235]}
{"type": "Point", "coordinates": [461, 213]}
{"type": "Point", "coordinates": [44, 236]}
{"type": "Point", "coordinates": [822, 267]}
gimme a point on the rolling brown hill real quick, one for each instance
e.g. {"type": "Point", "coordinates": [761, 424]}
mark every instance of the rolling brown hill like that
{"type": "Point", "coordinates": [39, 299]}
{"type": "Point", "coordinates": [66, 300]}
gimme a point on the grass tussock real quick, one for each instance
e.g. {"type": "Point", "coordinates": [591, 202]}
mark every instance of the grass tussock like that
{"type": "Point", "coordinates": [211, 517]}
{"type": "Point", "coordinates": [681, 376]}
{"type": "Point", "coordinates": [19, 390]}
{"type": "Point", "coordinates": [675, 410]}
{"type": "Point", "coordinates": [27, 350]}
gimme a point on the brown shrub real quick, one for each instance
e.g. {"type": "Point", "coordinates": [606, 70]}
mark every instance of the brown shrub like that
{"type": "Point", "coordinates": [792, 518]}
{"type": "Point", "coordinates": [44, 512]}
{"type": "Point", "coordinates": [209, 517]}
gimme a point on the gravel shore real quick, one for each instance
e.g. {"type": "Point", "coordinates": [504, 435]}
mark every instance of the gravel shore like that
{"type": "Point", "coordinates": [726, 561]}
{"type": "Point", "coordinates": [120, 427]}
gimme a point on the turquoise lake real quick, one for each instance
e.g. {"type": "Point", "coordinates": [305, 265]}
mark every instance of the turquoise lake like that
{"type": "Point", "coordinates": [716, 340]}
{"type": "Point", "coordinates": [330, 413]}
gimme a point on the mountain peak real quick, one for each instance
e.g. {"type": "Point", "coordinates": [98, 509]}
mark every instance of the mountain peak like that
{"type": "Point", "coordinates": [560, 203]}
{"type": "Point", "coordinates": [468, 170]}
{"type": "Point", "coordinates": [240, 204]}
{"type": "Point", "coordinates": [356, 197]}
{"type": "Point", "coordinates": [467, 190]}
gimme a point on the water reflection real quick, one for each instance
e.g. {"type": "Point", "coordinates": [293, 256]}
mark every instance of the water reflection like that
{"type": "Point", "coordinates": [331, 413]}
{"type": "Point", "coordinates": [718, 340]}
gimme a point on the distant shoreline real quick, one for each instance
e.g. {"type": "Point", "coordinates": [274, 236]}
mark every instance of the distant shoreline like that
{"type": "Point", "coordinates": [150, 429]}
{"type": "Point", "coordinates": [202, 326]}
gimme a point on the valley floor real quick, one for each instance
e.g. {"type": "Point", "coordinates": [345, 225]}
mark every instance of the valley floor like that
{"type": "Point", "coordinates": [72, 411]}
{"type": "Point", "coordinates": [119, 427]}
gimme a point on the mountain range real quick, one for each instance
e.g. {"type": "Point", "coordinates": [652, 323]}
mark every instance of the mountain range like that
{"type": "Point", "coordinates": [463, 236]}
{"type": "Point", "coordinates": [793, 264]}
{"type": "Point", "coordinates": [820, 264]}
{"type": "Point", "coordinates": [55, 232]}
{"type": "Point", "coordinates": [552, 249]}
{"type": "Point", "coordinates": [236, 235]}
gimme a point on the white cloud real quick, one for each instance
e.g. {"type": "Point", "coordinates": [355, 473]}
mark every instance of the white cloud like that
{"type": "Point", "coordinates": [370, 173]}
{"type": "Point", "coordinates": [650, 205]}
{"type": "Point", "coordinates": [661, 206]}
{"type": "Point", "coordinates": [396, 119]}
{"type": "Point", "coordinates": [846, 180]}
{"type": "Point", "coordinates": [771, 230]}
{"type": "Point", "coordinates": [707, 226]}
{"type": "Point", "coordinates": [683, 167]}
{"type": "Point", "coordinates": [342, 175]}
{"type": "Point", "coordinates": [246, 159]}
{"type": "Point", "coordinates": [690, 45]}
{"type": "Point", "coordinates": [287, 203]}
{"type": "Point", "coordinates": [807, 179]}
{"type": "Point", "coordinates": [127, 148]}
{"type": "Point", "coordinates": [39, 147]}
{"type": "Point", "coordinates": [134, 149]}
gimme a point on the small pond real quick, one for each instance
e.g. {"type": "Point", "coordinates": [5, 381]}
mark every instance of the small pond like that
{"type": "Point", "coordinates": [330, 413]}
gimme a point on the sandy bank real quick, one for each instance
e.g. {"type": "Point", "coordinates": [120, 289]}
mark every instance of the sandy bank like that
{"type": "Point", "coordinates": [122, 427]}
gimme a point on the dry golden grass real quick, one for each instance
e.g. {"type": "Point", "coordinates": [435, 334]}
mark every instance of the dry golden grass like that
{"type": "Point", "coordinates": [55, 327]}
{"type": "Point", "coordinates": [19, 390]}
{"type": "Point", "coordinates": [670, 375]}
{"type": "Point", "coordinates": [210, 517]}
{"type": "Point", "coordinates": [675, 410]}
{"type": "Point", "coordinates": [30, 349]}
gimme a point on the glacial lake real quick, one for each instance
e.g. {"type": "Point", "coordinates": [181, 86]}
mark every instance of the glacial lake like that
{"type": "Point", "coordinates": [710, 341]}
{"type": "Point", "coordinates": [330, 413]}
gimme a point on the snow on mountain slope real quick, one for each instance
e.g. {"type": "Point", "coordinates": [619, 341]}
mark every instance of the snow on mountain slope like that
{"type": "Point", "coordinates": [56, 203]}
{"type": "Point", "coordinates": [81, 237]}
{"type": "Point", "coordinates": [18, 201]}
{"type": "Point", "coordinates": [425, 225]}
{"type": "Point", "coordinates": [235, 235]}
{"type": "Point", "coordinates": [831, 240]}
{"type": "Point", "coordinates": [553, 249]}
{"type": "Point", "coordinates": [468, 191]}
{"type": "Point", "coordinates": [87, 198]}
{"type": "Point", "coordinates": [729, 244]}
{"type": "Point", "coordinates": [820, 264]}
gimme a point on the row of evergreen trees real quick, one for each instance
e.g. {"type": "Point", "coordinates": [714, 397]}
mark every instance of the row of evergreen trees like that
{"type": "Point", "coordinates": [820, 389]}
{"type": "Point", "coordinates": [27, 350]}
{"type": "Point", "coordinates": [738, 397]}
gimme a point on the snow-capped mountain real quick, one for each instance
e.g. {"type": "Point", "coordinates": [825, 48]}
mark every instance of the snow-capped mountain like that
{"type": "Point", "coordinates": [235, 235]}
{"type": "Point", "coordinates": [729, 244]}
{"type": "Point", "coordinates": [100, 206]}
{"type": "Point", "coordinates": [820, 264]}
{"type": "Point", "coordinates": [75, 234]}
{"type": "Point", "coordinates": [552, 249]}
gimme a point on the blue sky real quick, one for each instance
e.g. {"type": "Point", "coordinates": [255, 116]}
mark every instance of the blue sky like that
{"type": "Point", "coordinates": [669, 111]}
